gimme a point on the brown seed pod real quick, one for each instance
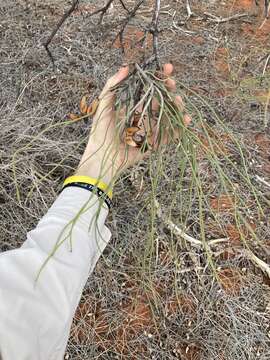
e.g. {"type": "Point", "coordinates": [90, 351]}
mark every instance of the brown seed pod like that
{"type": "Point", "coordinates": [92, 108]}
{"type": "Point", "coordinates": [136, 137]}
{"type": "Point", "coordinates": [83, 105]}
{"type": "Point", "coordinates": [73, 116]}
{"type": "Point", "coordinates": [128, 136]}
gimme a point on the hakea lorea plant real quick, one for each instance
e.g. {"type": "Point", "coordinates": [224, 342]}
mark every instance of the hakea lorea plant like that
{"type": "Point", "coordinates": [148, 116]}
{"type": "Point", "coordinates": [147, 112]}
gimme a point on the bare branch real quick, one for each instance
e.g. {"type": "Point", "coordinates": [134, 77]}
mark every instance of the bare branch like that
{"type": "Point", "coordinates": [219, 20]}
{"type": "Point", "coordinates": [257, 261]}
{"type": "Point", "coordinates": [131, 14]}
{"type": "Point", "coordinates": [189, 12]}
{"type": "Point", "coordinates": [64, 18]}
{"type": "Point", "coordinates": [102, 11]}
{"type": "Point", "coordinates": [266, 8]}
{"type": "Point", "coordinates": [57, 27]}
{"type": "Point", "coordinates": [179, 232]}
{"type": "Point", "coordinates": [155, 31]}
{"type": "Point", "coordinates": [123, 5]}
{"type": "Point", "coordinates": [266, 64]}
{"type": "Point", "coordinates": [260, 179]}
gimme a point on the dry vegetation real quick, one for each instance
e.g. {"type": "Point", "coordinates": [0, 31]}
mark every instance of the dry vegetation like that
{"type": "Point", "coordinates": [154, 294]}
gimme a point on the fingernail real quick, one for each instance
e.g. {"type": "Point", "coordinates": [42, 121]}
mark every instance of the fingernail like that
{"type": "Point", "coordinates": [125, 64]}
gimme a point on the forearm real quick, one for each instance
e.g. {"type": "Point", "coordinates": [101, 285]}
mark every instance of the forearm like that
{"type": "Point", "coordinates": [35, 318]}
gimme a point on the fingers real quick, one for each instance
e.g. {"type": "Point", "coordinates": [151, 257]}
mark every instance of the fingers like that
{"type": "Point", "coordinates": [179, 102]}
{"type": "Point", "coordinates": [170, 85]}
{"type": "Point", "coordinates": [121, 74]}
{"type": "Point", "coordinates": [107, 96]}
{"type": "Point", "coordinates": [187, 119]}
{"type": "Point", "coordinates": [167, 69]}
{"type": "Point", "coordinates": [167, 72]}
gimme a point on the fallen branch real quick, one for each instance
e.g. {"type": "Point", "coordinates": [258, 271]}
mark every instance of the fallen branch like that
{"type": "Point", "coordinates": [266, 64]}
{"type": "Point", "coordinates": [179, 232]}
{"type": "Point", "coordinates": [189, 12]}
{"type": "Point", "coordinates": [220, 20]}
{"type": "Point", "coordinates": [260, 179]}
{"type": "Point", "coordinates": [257, 261]}
{"type": "Point", "coordinates": [175, 26]}
{"type": "Point", "coordinates": [195, 242]}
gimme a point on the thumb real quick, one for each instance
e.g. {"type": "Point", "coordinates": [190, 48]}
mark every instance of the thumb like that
{"type": "Point", "coordinates": [107, 95]}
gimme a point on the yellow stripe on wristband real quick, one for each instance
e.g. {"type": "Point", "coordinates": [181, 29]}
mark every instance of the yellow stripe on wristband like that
{"type": "Point", "coordinates": [89, 180]}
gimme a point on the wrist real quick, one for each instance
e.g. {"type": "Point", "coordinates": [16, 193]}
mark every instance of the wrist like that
{"type": "Point", "coordinates": [96, 167]}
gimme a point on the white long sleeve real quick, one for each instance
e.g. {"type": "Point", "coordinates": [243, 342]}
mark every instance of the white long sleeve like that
{"type": "Point", "coordinates": [35, 317]}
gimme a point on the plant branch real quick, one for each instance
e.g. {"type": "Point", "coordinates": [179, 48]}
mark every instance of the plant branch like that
{"type": "Point", "coordinates": [123, 5]}
{"type": "Point", "coordinates": [189, 12]}
{"type": "Point", "coordinates": [75, 3]}
{"type": "Point", "coordinates": [260, 179]}
{"type": "Point", "coordinates": [257, 261]}
{"type": "Point", "coordinates": [155, 31]}
{"type": "Point", "coordinates": [102, 11]}
{"type": "Point", "coordinates": [219, 20]}
{"type": "Point", "coordinates": [266, 8]}
{"type": "Point", "coordinates": [131, 14]}
{"type": "Point", "coordinates": [57, 27]}
{"type": "Point", "coordinates": [179, 232]}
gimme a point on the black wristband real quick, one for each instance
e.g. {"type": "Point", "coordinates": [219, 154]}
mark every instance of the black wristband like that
{"type": "Point", "coordinates": [94, 189]}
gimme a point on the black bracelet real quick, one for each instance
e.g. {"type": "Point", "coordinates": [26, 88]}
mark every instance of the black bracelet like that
{"type": "Point", "coordinates": [94, 189]}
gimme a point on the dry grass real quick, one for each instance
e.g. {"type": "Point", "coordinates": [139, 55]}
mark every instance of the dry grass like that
{"type": "Point", "coordinates": [153, 299]}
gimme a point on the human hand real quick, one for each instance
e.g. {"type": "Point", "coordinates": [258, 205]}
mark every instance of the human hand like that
{"type": "Point", "coordinates": [106, 154]}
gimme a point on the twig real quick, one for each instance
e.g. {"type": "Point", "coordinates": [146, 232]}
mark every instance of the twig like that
{"type": "Point", "coordinates": [189, 12]}
{"type": "Point", "coordinates": [265, 57]}
{"type": "Point", "coordinates": [174, 228]}
{"type": "Point", "coordinates": [64, 18]}
{"type": "Point", "coordinates": [219, 20]}
{"type": "Point", "coordinates": [266, 8]}
{"type": "Point", "coordinates": [257, 261]}
{"type": "Point", "coordinates": [259, 178]}
{"type": "Point", "coordinates": [266, 110]}
{"type": "Point", "coordinates": [179, 232]}
{"type": "Point", "coordinates": [131, 14]}
{"type": "Point", "coordinates": [186, 270]}
{"type": "Point", "coordinates": [102, 11]}
{"type": "Point", "coordinates": [175, 26]}
{"type": "Point", "coordinates": [154, 31]}
{"type": "Point", "coordinates": [123, 5]}
{"type": "Point", "coordinates": [187, 32]}
{"type": "Point", "coordinates": [266, 64]}
{"type": "Point", "coordinates": [195, 242]}
{"type": "Point", "coordinates": [217, 241]}
{"type": "Point", "coordinates": [57, 27]}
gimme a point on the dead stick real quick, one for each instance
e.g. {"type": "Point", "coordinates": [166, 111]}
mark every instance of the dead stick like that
{"type": "Point", "coordinates": [219, 20]}
{"type": "Point", "coordinates": [131, 14]}
{"type": "Point", "coordinates": [57, 27]}
{"type": "Point", "coordinates": [266, 8]}
{"type": "Point", "coordinates": [189, 12]}
{"type": "Point", "coordinates": [154, 31]}
{"type": "Point", "coordinates": [123, 5]}
{"type": "Point", "coordinates": [102, 10]}
{"type": "Point", "coordinates": [63, 19]}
